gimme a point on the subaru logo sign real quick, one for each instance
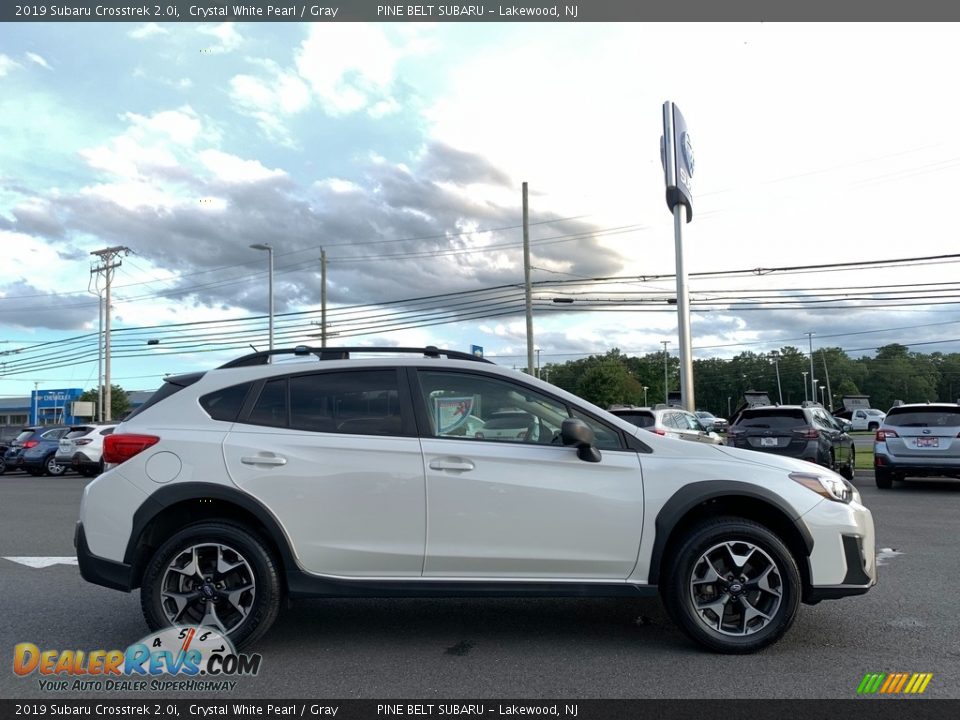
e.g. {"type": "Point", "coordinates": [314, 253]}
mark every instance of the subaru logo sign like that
{"type": "Point", "coordinates": [688, 152]}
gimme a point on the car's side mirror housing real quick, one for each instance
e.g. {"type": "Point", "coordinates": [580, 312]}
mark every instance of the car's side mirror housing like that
{"type": "Point", "coordinates": [846, 426]}
{"type": "Point", "coordinates": [576, 432]}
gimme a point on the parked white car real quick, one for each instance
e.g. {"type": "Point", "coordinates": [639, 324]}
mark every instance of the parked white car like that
{"type": "Point", "coordinates": [669, 422]}
{"type": "Point", "coordinates": [231, 490]}
{"type": "Point", "coordinates": [82, 448]}
{"type": "Point", "coordinates": [863, 418]}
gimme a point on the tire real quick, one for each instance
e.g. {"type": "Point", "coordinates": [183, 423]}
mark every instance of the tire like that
{"type": "Point", "coordinates": [52, 467]}
{"type": "Point", "coordinates": [873, 427]}
{"type": "Point", "coordinates": [729, 630]}
{"type": "Point", "coordinates": [849, 470]}
{"type": "Point", "coordinates": [89, 472]}
{"type": "Point", "coordinates": [884, 478]}
{"type": "Point", "coordinates": [254, 577]}
{"type": "Point", "coordinates": [3, 465]}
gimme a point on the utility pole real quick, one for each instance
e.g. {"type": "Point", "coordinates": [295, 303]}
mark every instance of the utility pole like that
{"type": "Point", "coordinates": [108, 260]}
{"type": "Point", "coordinates": [775, 356]}
{"type": "Point", "coordinates": [813, 378]}
{"type": "Point", "coordinates": [826, 374]}
{"type": "Point", "coordinates": [323, 297]}
{"type": "Point", "coordinates": [528, 295]}
{"type": "Point", "coordinates": [666, 382]}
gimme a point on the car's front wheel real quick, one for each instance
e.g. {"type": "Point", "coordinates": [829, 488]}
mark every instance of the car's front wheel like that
{"type": "Point", "coordinates": [52, 467]}
{"type": "Point", "coordinates": [849, 470]}
{"type": "Point", "coordinates": [216, 574]}
{"type": "Point", "coordinates": [732, 586]}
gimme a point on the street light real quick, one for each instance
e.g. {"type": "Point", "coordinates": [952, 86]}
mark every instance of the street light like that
{"type": "Point", "coordinates": [822, 388]}
{"type": "Point", "coordinates": [805, 393]}
{"type": "Point", "coordinates": [645, 388]}
{"type": "Point", "coordinates": [775, 356]}
{"type": "Point", "coordinates": [666, 381]}
{"type": "Point", "coordinates": [269, 249]}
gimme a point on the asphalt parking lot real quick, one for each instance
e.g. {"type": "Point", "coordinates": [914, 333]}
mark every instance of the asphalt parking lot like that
{"type": "Point", "coordinates": [568, 648]}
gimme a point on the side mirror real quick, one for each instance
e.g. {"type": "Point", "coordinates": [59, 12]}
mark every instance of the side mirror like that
{"type": "Point", "coordinates": [576, 432]}
{"type": "Point", "coordinates": [846, 426]}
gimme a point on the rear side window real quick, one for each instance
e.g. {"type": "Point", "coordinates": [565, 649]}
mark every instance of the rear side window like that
{"type": "Point", "coordinates": [77, 432]}
{"type": "Point", "coordinates": [772, 419]}
{"type": "Point", "coordinates": [932, 417]}
{"type": "Point", "coordinates": [225, 404]}
{"type": "Point", "coordinates": [24, 436]}
{"type": "Point", "coordinates": [356, 403]}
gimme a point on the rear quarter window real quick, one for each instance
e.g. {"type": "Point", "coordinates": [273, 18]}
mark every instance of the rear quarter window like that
{"type": "Point", "coordinates": [225, 404]}
{"type": "Point", "coordinates": [639, 419]}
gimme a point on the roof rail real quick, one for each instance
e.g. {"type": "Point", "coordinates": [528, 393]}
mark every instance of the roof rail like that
{"type": "Point", "coordinates": [262, 357]}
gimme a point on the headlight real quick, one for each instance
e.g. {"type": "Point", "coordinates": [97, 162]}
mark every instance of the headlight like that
{"type": "Point", "coordinates": [830, 487]}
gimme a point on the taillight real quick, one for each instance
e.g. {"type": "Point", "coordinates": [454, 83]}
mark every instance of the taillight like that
{"type": "Point", "coordinates": [658, 431]}
{"type": "Point", "coordinates": [120, 448]}
{"type": "Point", "coordinates": [807, 433]}
{"type": "Point", "coordinates": [30, 443]}
{"type": "Point", "coordinates": [884, 434]}
{"type": "Point", "coordinates": [83, 441]}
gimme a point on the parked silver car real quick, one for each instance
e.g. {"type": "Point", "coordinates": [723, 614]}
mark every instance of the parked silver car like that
{"type": "Point", "coordinates": [917, 439]}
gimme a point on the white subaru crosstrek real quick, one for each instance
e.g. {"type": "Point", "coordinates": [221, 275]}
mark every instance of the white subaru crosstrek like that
{"type": "Point", "coordinates": [335, 476]}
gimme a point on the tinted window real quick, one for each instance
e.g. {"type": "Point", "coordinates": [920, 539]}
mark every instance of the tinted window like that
{"type": "Point", "coordinates": [773, 419]}
{"type": "Point", "coordinates": [24, 436]}
{"type": "Point", "coordinates": [923, 417]}
{"type": "Point", "coordinates": [271, 407]}
{"type": "Point", "coordinates": [358, 403]}
{"type": "Point", "coordinates": [639, 419]}
{"type": "Point", "coordinates": [226, 404]}
{"type": "Point", "coordinates": [107, 431]}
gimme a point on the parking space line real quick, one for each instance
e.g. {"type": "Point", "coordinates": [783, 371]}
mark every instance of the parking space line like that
{"type": "Point", "coordinates": [42, 562]}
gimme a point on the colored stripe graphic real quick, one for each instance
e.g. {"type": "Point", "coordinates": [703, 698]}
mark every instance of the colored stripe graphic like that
{"type": "Point", "coordinates": [894, 683]}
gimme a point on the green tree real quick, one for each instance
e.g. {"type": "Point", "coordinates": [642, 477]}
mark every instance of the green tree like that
{"type": "Point", "coordinates": [609, 383]}
{"type": "Point", "coordinates": [119, 400]}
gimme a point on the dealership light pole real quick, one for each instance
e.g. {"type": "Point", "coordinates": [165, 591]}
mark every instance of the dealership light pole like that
{"type": "Point", "coordinates": [666, 381]}
{"type": "Point", "coordinates": [804, 373]}
{"type": "Point", "coordinates": [813, 377]}
{"type": "Point", "coordinates": [775, 356]}
{"type": "Point", "coordinates": [645, 388]}
{"type": "Point", "coordinates": [269, 248]}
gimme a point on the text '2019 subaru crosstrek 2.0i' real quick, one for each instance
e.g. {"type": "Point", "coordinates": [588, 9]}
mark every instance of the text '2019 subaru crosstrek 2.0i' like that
{"type": "Point", "coordinates": [335, 476]}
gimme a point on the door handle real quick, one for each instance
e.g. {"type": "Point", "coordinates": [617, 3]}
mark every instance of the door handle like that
{"type": "Point", "coordinates": [263, 460]}
{"type": "Point", "coordinates": [450, 464]}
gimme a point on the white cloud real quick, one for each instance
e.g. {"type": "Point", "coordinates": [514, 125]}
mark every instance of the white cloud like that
{"type": "Point", "coordinates": [270, 100]}
{"type": "Point", "coordinates": [233, 169]}
{"type": "Point", "coordinates": [225, 33]}
{"type": "Point", "coordinates": [147, 30]}
{"type": "Point", "coordinates": [338, 185]}
{"type": "Point", "coordinates": [349, 66]}
{"type": "Point", "coordinates": [183, 125]}
{"type": "Point", "coordinates": [7, 64]}
{"type": "Point", "coordinates": [38, 60]}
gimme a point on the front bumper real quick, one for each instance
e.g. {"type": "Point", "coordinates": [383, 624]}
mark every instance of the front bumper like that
{"type": "Point", "coordinates": [97, 570]}
{"type": "Point", "coordinates": [843, 561]}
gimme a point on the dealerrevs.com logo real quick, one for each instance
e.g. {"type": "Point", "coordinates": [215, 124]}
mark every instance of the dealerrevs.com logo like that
{"type": "Point", "coordinates": [898, 683]}
{"type": "Point", "coordinates": [199, 658]}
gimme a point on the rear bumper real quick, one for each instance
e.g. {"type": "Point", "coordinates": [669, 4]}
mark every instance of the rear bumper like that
{"type": "Point", "coordinates": [97, 570]}
{"type": "Point", "coordinates": [945, 467]}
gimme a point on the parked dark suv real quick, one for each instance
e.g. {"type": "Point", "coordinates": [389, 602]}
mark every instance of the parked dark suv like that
{"type": "Point", "coordinates": [919, 440]}
{"type": "Point", "coordinates": [31, 437]}
{"type": "Point", "coordinates": [807, 432]}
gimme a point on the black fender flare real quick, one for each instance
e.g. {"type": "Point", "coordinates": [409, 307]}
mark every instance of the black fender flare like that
{"type": "Point", "coordinates": [694, 494]}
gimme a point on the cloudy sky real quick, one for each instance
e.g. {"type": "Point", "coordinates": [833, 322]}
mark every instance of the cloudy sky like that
{"type": "Point", "coordinates": [401, 149]}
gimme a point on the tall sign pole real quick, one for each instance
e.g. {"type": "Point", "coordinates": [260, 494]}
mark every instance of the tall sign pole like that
{"type": "Point", "coordinates": [323, 297]}
{"type": "Point", "coordinates": [526, 282]}
{"type": "Point", "coordinates": [677, 156]}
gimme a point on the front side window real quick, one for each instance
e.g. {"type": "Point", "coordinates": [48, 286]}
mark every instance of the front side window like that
{"type": "Point", "coordinates": [464, 405]}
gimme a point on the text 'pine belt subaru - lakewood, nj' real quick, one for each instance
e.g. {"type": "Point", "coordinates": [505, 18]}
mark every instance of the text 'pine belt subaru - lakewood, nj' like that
{"type": "Point", "coordinates": [333, 475]}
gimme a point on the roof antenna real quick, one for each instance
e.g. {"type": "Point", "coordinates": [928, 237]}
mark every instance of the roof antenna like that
{"type": "Point", "coordinates": [254, 349]}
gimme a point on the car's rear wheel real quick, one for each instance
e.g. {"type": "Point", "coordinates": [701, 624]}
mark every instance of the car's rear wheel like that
{"type": "Point", "coordinates": [884, 478]}
{"type": "Point", "coordinates": [733, 586]}
{"type": "Point", "coordinates": [849, 470]}
{"type": "Point", "coordinates": [52, 467]}
{"type": "Point", "coordinates": [88, 471]}
{"type": "Point", "coordinates": [215, 574]}
{"type": "Point", "coordinates": [3, 465]}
